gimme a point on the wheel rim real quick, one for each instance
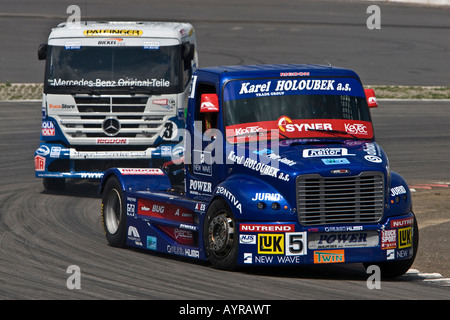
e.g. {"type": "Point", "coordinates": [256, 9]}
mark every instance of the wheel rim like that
{"type": "Point", "coordinates": [113, 211]}
{"type": "Point", "coordinates": [221, 234]}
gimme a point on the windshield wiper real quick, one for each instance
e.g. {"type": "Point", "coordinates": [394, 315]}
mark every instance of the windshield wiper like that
{"type": "Point", "coordinates": [336, 132]}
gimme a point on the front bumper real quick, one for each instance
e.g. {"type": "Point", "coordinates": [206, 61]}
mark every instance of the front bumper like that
{"type": "Point", "coordinates": [292, 244]}
{"type": "Point", "coordinates": [57, 161]}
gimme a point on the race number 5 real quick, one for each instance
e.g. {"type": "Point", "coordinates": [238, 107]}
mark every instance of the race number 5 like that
{"type": "Point", "coordinates": [295, 243]}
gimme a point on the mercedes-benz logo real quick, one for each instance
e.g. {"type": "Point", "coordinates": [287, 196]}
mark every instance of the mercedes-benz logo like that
{"type": "Point", "coordinates": [111, 126]}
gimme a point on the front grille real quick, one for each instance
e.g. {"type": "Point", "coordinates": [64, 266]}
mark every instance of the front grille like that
{"type": "Point", "coordinates": [340, 200]}
{"type": "Point", "coordinates": [128, 111]}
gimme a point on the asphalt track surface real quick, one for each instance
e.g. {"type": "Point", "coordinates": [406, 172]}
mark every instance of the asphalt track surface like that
{"type": "Point", "coordinates": [42, 234]}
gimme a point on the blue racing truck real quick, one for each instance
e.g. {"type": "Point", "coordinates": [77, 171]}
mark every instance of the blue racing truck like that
{"type": "Point", "coordinates": [279, 167]}
{"type": "Point", "coordinates": [114, 95]}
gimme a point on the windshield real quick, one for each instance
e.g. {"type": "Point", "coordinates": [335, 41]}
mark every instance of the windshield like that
{"type": "Point", "coordinates": [296, 108]}
{"type": "Point", "coordinates": [145, 69]}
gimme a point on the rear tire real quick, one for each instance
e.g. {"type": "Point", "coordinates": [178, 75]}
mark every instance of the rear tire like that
{"type": "Point", "coordinates": [114, 213]}
{"type": "Point", "coordinates": [396, 268]}
{"type": "Point", "coordinates": [220, 236]}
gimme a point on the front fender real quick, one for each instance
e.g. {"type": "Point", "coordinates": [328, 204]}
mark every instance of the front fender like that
{"type": "Point", "coordinates": [399, 196]}
{"type": "Point", "coordinates": [253, 199]}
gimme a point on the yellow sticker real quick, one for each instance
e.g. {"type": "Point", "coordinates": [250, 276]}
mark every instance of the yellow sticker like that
{"type": "Point", "coordinates": [112, 32]}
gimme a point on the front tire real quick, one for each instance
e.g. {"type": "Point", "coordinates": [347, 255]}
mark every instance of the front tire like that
{"type": "Point", "coordinates": [114, 213]}
{"type": "Point", "coordinates": [221, 236]}
{"type": "Point", "coordinates": [392, 269]}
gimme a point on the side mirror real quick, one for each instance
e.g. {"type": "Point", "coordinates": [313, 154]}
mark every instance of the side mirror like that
{"type": "Point", "coordinates": [209, 103]}
{"type": "Point", "coordinates": [42, 51]}
{"type": "Point", "coordinates": [371, 99]}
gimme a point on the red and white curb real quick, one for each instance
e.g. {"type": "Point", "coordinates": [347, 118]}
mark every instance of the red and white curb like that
{"type": "Point", "coordinates": [435, 278]}
{"type": "Point", "coordinates": [428, 186]}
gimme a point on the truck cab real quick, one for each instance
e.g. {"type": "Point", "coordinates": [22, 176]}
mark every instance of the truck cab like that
{"type": "Point", "coordinates": [115, 94]}
{"type": "Point", "coordinates": [280, 167]}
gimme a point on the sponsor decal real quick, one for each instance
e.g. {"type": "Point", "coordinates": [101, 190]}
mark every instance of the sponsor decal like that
{"type": "Point", "coordinates": [152, 242]}
{"type": "Point", "coordinates": [285, 124]}
{"type": "Point", "coordinates": [390, 254]}
{"type": "Point", "coordinates": [257, 166]}
{"type": "Point", "coordinates": [72, 45]}
{"type": "Point", "coordinates": [402, 222]}
{"type": "Point", "coordinates": [329, 256]}
{"type": "Point", "coordinates": [55, 152]}
{"type": "Point", "coordinates": [143, 171]}
{"type": "Point", "coordinates": [43, 150]}
{"type": "Point", "coordinates": [271, 155]}
{"type": "Point", "coordinates": [267, 197]}
{"type": "Point", "coordinates": [269, 243]}
{"type": "Point", "coordinates": [372, 152]}
{"type": "Point", "coordinates": [200, 207]}
{"type": "Point", "coordinates": [374, 159]}
{"type": "Point", "coordinates": [111, 42]}
{"type": "Point", "coordinates": [39, 163]}
{"type": "Point", "coordinates": [61, 106]}
{"type": "Point", "coordinates": [335, 161]}
{"type": "Point", "coordinates": [234, 201]}
{"type": "Point", "coordinates": [133, 235]}
{"type": "Point", "coordinates": [131, 209]}
{"type": "Point", "coordinates": [48, 129]}
{"type": "Point", "coordinates": [274, 87]}
{"type": "Point", "coordinates": [294, 74]}
{"type": "Point", "coordinates": [247, 130]}
{"type": "Point", "coordinates": [247, 238]}
{"type": "Point", "coordinates": [182, 236]}
{"type": "Point", "coordinates": [151, 45]}
{"type": "Point", "coordinates": [182, 251]}
{"type": "Point", "coordinates": [99, 83]}
{"type": "Point", "coordinates": [404, 238]}
{"type": "Point", "coordinates": [398, 191]}
{"type": "Point", "coordinates": [287, 85]}
{"type": "Point", "coordinates": [343, 240]}
{"type": "Point", "coordinates": [343, 228]}
{"type": "Point", "coordinates": [356, 128]}
{"type": "Point", "coordinates": [164, 210]}
{"type": "Point", "coordinates": [266, 227]}
{"type": "Point", "coordinates": [200, 187]}
{"type": "Point", "coordinates": [388, 239]}
{"type": "Point", "coordinates": [112, 32]}
{"type": "Point", "coordinates": [326, 152]}
{"type": "Point", "coordinates": [111, 141]}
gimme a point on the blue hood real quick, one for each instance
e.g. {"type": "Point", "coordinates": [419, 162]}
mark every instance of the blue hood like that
{"type": "Point", "coordinates": [292, 158]}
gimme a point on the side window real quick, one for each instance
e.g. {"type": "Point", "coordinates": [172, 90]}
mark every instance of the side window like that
{"type": "Point", "coordinates": [187, 72]}
{"type": "Point", "coordinates": [204, 121]}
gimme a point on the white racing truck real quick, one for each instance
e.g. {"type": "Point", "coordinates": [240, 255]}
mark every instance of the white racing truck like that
{"type": "Point", "coordinates": [114, 95]}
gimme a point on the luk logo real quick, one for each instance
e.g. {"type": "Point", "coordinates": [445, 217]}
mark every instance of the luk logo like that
{"type": "Point", "coordinates": [270, 243]}
{"type": "Point", "coordinates": [404, 238]}
{"type": "Point", "coordinates": [329, 256]}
